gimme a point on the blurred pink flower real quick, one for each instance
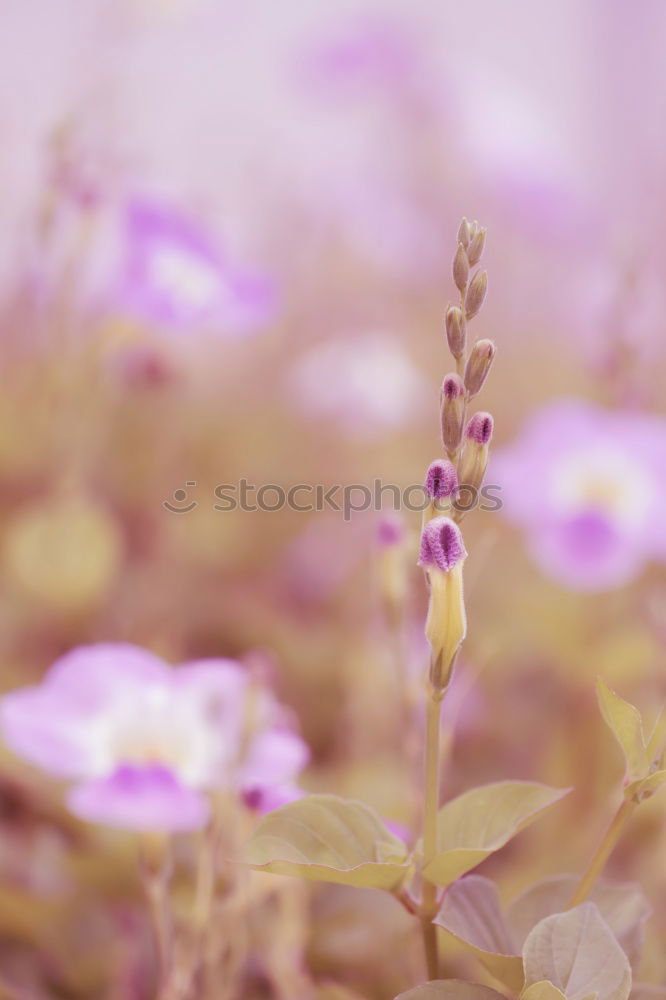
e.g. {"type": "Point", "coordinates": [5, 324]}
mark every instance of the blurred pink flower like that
{"type": "Point", "coordinates": [143, 743]}
{"type": "Point", "coordinates": [364, 384]}
{"type": "Point", "coordinates": [587, 486]}
{"type": "Point", "coordinates": [372, 54]}
{"type": "Point", "coordinates": [176, 277]}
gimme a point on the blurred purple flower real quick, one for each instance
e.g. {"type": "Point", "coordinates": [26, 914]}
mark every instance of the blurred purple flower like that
{"type": "Point", "coordinates": [372, 54]}
{"type": "Point", "coordinates": [176, 277]}
{"type": "Point", "coordinates": [143, 743]}
{"type": "Point", "coordinates": [587, 484]}
{"type": "Point", "coordinates": [364, 384]}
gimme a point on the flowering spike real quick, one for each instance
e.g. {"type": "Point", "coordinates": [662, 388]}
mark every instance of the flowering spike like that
{"type": "Point", "coordinates": [452, 412]}
{"type": "Point", "coordinates": [460, 268]}
{"type": "Point", "coordinates": [478, 365]}
{"type": "Point", "coordinates": [476, 293]}
{"type": "Point", "coordinates": [441, 480]}
{"type": "Point", "coordinates": [480, 428]}
{"type": "Point", "coordinates": [455, 331]}
{"type": "Point", "coordinates": [442, 545]}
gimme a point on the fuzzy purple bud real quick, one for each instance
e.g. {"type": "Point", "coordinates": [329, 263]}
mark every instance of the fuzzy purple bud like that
{"type": "Point", "coordinates": [442, 544]}
{"type": "Point", "coordinates": [441, 480]}
{"type": "Point", "coordinates": [452, 412]}
{"type": "Point", "coordinates": [480, 428]}
{"type": "Point", "coordinates": [452, 387]}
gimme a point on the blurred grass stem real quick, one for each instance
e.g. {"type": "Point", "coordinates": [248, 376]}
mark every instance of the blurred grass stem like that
{"type": "Point", "coordinates": [155, 871]}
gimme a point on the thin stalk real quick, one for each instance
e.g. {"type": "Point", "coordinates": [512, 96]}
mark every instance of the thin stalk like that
{"type": "Point", "coordinates": [430, 808]}
{"type": "Point", "coordinates": [155, 864]}
{"type": "Point", "coordinates": [603, 851]}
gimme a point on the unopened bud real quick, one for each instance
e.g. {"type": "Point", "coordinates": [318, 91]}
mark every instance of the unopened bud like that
{"type": "Point", "coordinates": [463, 233]}
{"type": "Point", "coordinates": [460, 268]}
{"type": "Point", "coordinates": [476, 246]}
{"type": "Point", "coordinates": [476, 293]}
{"type": "Point", "coordinates": [442, 545]}
{"type": "Point", "coordinates": [474, 459]}
{"type": "Point", "coordinates": [455, 331]}
{"type": "Point", "coordinates": [443, 554]}
{"type": "Point", "coordinates": [478, 365]}
{"type": "Point", "coordinates": [441, 480]}
{"type": "Point", "coordinates": [440, 485]}
{"type": "Point", "coordinates": [480, 428]}
{"type": "Point", "coordinates": [452, 412]}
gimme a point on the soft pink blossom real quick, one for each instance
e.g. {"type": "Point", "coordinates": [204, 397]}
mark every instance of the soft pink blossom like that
{"type": "Point", "coordinates": [586, 484]}
{"type": "Point", "coordinates": [142, 743]}
{"type": "Point", "coordinates": [175, 276]}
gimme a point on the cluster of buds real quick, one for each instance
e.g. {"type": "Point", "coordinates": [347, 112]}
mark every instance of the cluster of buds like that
{"type": "Point", "coordinates": [466, 442]}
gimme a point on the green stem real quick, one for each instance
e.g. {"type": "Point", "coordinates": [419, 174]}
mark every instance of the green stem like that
{"type": "Point", "coordinates": [430, 808]}
{"type": "Point", "coordinates": [603, 851]}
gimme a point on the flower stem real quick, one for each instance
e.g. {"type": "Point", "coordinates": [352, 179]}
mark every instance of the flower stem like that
{"type": "Point", "coordinates": [603, 851]}
{"type": "Point", "coordinates": [431, 803]}
{"type": "Point", "coordinates": [155, 871]}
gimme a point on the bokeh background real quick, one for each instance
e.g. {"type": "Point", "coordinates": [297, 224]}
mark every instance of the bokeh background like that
{"type": "Point", "coordinates": [225, 242]}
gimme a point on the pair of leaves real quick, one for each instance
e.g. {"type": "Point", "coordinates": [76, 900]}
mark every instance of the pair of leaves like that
{"type": "Point", "coordinates": [329, 839]}
{"type": "Point", "coordinates": [567, 956]}
{"type": "Point", "coordinates": [472, 913]}
{"type": "Point", "coordinates": [644, 773]}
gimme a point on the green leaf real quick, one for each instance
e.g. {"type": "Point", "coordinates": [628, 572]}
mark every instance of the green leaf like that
{"type": "Point", "coordinates": [542, 991]}
{"type": "Point", "coordinates": [624, 908]}
{"type": "Point", "coordinates": [471, 912]}
{"type": "Point", "coordinates": [450, 989]}
{"type": "Point", "coordinates": [624, 721]}
{"type": "Point", "coordinates": [328, 839]}
{"type": "Point", "coordinates": [577, 952]}
{"type": "Point", "coordinates": [481, 821]}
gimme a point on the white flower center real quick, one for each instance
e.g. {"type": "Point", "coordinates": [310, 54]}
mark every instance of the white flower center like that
{"type": "Point", "coordinates": [604, 480]}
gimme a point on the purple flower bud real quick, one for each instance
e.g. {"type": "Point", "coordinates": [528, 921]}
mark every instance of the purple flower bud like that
{"type": "Point", "coordinates": [455, 331]}
{"type": "Point", "coordinates": [390, 531]}
{"type": "Point", "coordinates": [463, 233]}
{"type": "Point", "coordinates": [442, 544]}
{"type": "Point", "coordinates": [478, 365]}
{"type": "Point", "coordinates": [476, 293]}
{"type": "Point", "coordinates": [441, 480]}
{"type": "Point", "coordinates": [480, 428]}
{"type": "Point", "coordinates": [452, 387]}
{"type": "Point", "coordinates": [476, 247]}
{"type": "Point", "coordinates": [460, 268]}
{"type": "Point", "coordinates": [452, 412]}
